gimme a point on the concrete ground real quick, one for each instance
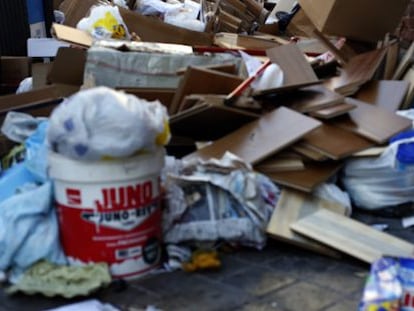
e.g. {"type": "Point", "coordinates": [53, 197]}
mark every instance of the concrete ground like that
{"type": "Point", "coordinates": [279, 278]}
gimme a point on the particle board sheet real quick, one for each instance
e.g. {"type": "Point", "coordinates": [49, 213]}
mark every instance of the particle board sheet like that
{"type": "Point", "coordinates": [372, 122]}
{"type": "Point", "coordinates": [203, 81]}
{"type": "Point", "coordinates": [291, 207]}
{"type": "Point", "coordinates": [309, 153]}
{"type": "Point", "coordinates": [279, 164]}
{"type": "Point", "coordinates": [308, 179]}
{"type": "Point", "coordinates": [208, 122]}
{"type": "Point", "coordinates": [351, 237]}
{"type": "Point", "coordinates": [335, 142]}
{"type": "Point", "coordinates": [311, 98]}
{"type": "Point", "coordinates": [259, 139]}
{"type": "Point", "coordinates": [297, 72]}
{"type": "Point", "coordinates": [333, 111]}
{"type": "Point", "coordinates": [387, 94]}
{"type": "Point", "coordinates": [357, 71]}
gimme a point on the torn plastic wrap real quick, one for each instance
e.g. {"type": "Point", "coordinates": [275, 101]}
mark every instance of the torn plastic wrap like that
{"type": "Point", "coordinates": [215, 203]}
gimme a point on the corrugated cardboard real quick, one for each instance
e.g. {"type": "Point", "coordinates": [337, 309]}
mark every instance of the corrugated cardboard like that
{"type": "Point", "coordinates": [12, 71]}
{"type": "Point", "coordinates": [68, 67]}
{"type": "Point", "coordinates": [367, 20]}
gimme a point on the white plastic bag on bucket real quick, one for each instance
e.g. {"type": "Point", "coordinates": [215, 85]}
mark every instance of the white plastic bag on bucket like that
{"type": "Point", "coordinates": [374, 183]}
{"type": "Point", "coordinates": [100, 122]}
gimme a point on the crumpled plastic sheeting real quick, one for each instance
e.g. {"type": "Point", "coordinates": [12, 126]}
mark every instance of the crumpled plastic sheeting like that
{"type": "Point", "coordinates": [52, 280]}
{"type": "Point", "coordinates": [210, 204]}
{"type": "Point", "coordinates": [100, 122]}
{"type": "Point", "coordinates": [29, 231]}
{"type": "Point", "coordinates": [18, 126]}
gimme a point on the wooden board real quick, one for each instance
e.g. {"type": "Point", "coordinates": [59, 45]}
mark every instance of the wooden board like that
{"type": "Point", "coordinates": [309, 153]}
{"type": "Point", "coordinates": [370, 152]}
{"type": "Point", "coordinates": [391, 60]}
{"type": "Point", "coordinates": [387, 94]}
{"type": "Point", "coordinates": [195, 81]}
{"type": "Point", "coordinates": [334, 142]}
{"type": "Point", "coordinates": [308, 179]}
{"type": "Point", "coordinates": [297, 72]}
{"type": "Point", "coordinates": [292, 206]}
{"type": "Point", "coordinates": [261, 138]}
{"type": "Point", "coordinates": [351, 237]}
{"type": "Point", "coordinates": [404, 63]}
{"type": "Point", "coordinates": [209, 121]}
{"type": "Point", "coordinates": [373, 122]}
{"type": "Point", "coordinates": [333, 111]}
{"type": "Point", "coordinates": [280, 164]}
{"type": "Point", "coordinates": [409, 77]}
{"type": "Point", "coordinates": [357, 71]}
{"type": "Point", "coordinates": [309, 98]}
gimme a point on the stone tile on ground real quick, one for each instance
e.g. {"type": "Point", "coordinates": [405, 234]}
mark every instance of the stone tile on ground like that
{"type": "Point", "coordinates": [255, 256]}
{"type": "Point", "coordinates": [303, 296]}
{"type": "Point", "coordinates": [344, 306]}
{"type": "Point", "coordinates": [191, 291]}
{"type": "Point", "coordinates": [261, 306]}
{"type": "Point", "coordinates": [259, 281]}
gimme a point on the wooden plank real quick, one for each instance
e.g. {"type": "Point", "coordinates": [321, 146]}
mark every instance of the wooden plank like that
{"type": "Point", "coordinates": [351, 237]}
{"type": "Point", "coordinates": [280, 164]}
{"type": "Point", "coordinates": [333, 111]}
{"type": "Point", "coordinates": [409, 77]}
{"type": "Point", "coordinates": [334, 142]}
{"type": "Point", "coordinates": [292, 206]}
{"type": "Point", "coordinates": [308, 179]}
{"type": "Point", "coordinates": [387, 94]}
{"type": "Point", "coordinates": [404, 63]}
{"type": "Point", "coordinates": [357, 71]}
{"type": "Point", "coordinates": [391, 60]}
{"type": "Point", "coordinates": [261, 138]}
{"type": "Point", "coordinates": [194, 82]}
{"type": "Point", "coordinates": [370, 152]}
{"type": "Point", "coordinates": [310, 98]}
{"type": "Point", "coordinates": [309, 153]}
{"type": "Point", "coordinates": [220, 120]}
{"type": "Point", "coordinates": [373, 122]}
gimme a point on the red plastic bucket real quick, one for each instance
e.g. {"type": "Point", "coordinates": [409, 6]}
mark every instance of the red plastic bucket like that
{"type": "Point", "coordinates": [109, 211]}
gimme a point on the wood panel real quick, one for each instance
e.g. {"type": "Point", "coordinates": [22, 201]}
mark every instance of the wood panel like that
{"type": "Point", "coordinates": [280, 164]}
{"type": "Point", "coordinates": [260, 139]}
{"type": "Point", "coordinates": [309, 153]}
{"type": "Point", "coordinates": [405, 63]}
{"type": "Point", "coordinates": [373, 122]}
{"type": "Point", "coordinates": [334, 142]}
{"type": "Point", "coordinates": [351, 237]}
{"type": "Point", "coordinates": [387, 94]}
{"type": "Point", "coordinates": [308, 179]}
{"type": "Point", "coordinates": [203, 81]}
{"type": "Point", "coordinates": [292, 206]}
{"type": "Point", "coordinates": [333, 111]}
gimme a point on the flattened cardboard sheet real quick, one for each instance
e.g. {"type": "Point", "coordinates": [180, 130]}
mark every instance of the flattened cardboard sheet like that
{"type": "Point", "coordinates": [259, 139]}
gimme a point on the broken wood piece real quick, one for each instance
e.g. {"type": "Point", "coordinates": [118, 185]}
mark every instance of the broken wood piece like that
{"type": "Point", "coordinates": [259, 139]}
{"type": "Point", "coordinates": [279, 163]}
{"type": "Point", "coordinates": [388, 95]}
{"type": "Point", "coordinates": [334, 142]}
{"type": "Point", "coordinates": [405, 63]}
{"type": "Point", "coordinates": [293, 205]}
{"type": "Point", "coordinates": [409, 77]}
{"type": "Point", "coordinates": [351, 237]}
{"type": "Point", "coordinates": [308, 179]}
{"type": "Point", "coordinates": [370, 152]}
{"type": "Point", "coordinates": [332, 111]}
{"type": "Point", "coordinates": [391, 60]}
{"type": "Point", "coordinates": [309, 153]}
{"type": "Point", "coordinates": [372, 122]}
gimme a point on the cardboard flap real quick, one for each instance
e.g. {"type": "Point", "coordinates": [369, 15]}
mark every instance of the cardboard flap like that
{"type": "Point", "coordinates": [72, 35]}
{"type": "Point", "coordinates": [68, 67]}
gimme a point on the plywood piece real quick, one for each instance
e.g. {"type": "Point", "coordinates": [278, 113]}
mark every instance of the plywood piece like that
{"type": "Point", "coordinates": [409, 77]}
{"type": "Point", "coordinates": [220, 120]}
{"type": "Point", "coordinates": [310, 98]}
{"type": "Point", "coordinates": [333, 111]}
{"type": "Point", "coordinates": [309, 153]}
{"type": "Point", "coordinates": [280, 164]}
{"type": "Point", "coordinates": [405, 63]}
{"type": "Point", "coordinates": [72, 35]}
{"type": "Point", "coordinates": [295, 67]}
{"type": "Point", "coordinates": [387, 94]}
{"type": "Point", "coordinates": [373, 122]}
{"type": "Point", "coordinates": [334, 142]}
{"type": "Point", "coordinates": [351, 237]}
{"type": "Point", "coordinates": [292, 206]}
{"type": "Point", "coordinates": [203, 81]}
{"type": "Point", "coordinates": [370, 152]}
{"type": "Point", "coordinates": [308, 179]}
{"type": "Point", "coordinates": [260, 139]}
{"type": "Point", "coordinates": [391, 60]}
{"type": "Point", "coordinates": [357, 71]}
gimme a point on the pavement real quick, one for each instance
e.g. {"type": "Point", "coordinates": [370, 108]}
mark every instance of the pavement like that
{"type": "Point", "coordinates": [280, 277]}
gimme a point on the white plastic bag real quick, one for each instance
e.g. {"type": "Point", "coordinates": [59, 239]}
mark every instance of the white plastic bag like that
{"type": "Point", "coordinates": [100, 122]}
{"type": "Point", "coordinates": [105, 22]}
{"type": "Point", "coordinates": [374, 183]}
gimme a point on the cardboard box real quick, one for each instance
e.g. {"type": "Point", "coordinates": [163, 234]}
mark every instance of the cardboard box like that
{"type": "Point", "coordinates": [367, 20]}
{"type": "Point", "coordinates": [12, 71]}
